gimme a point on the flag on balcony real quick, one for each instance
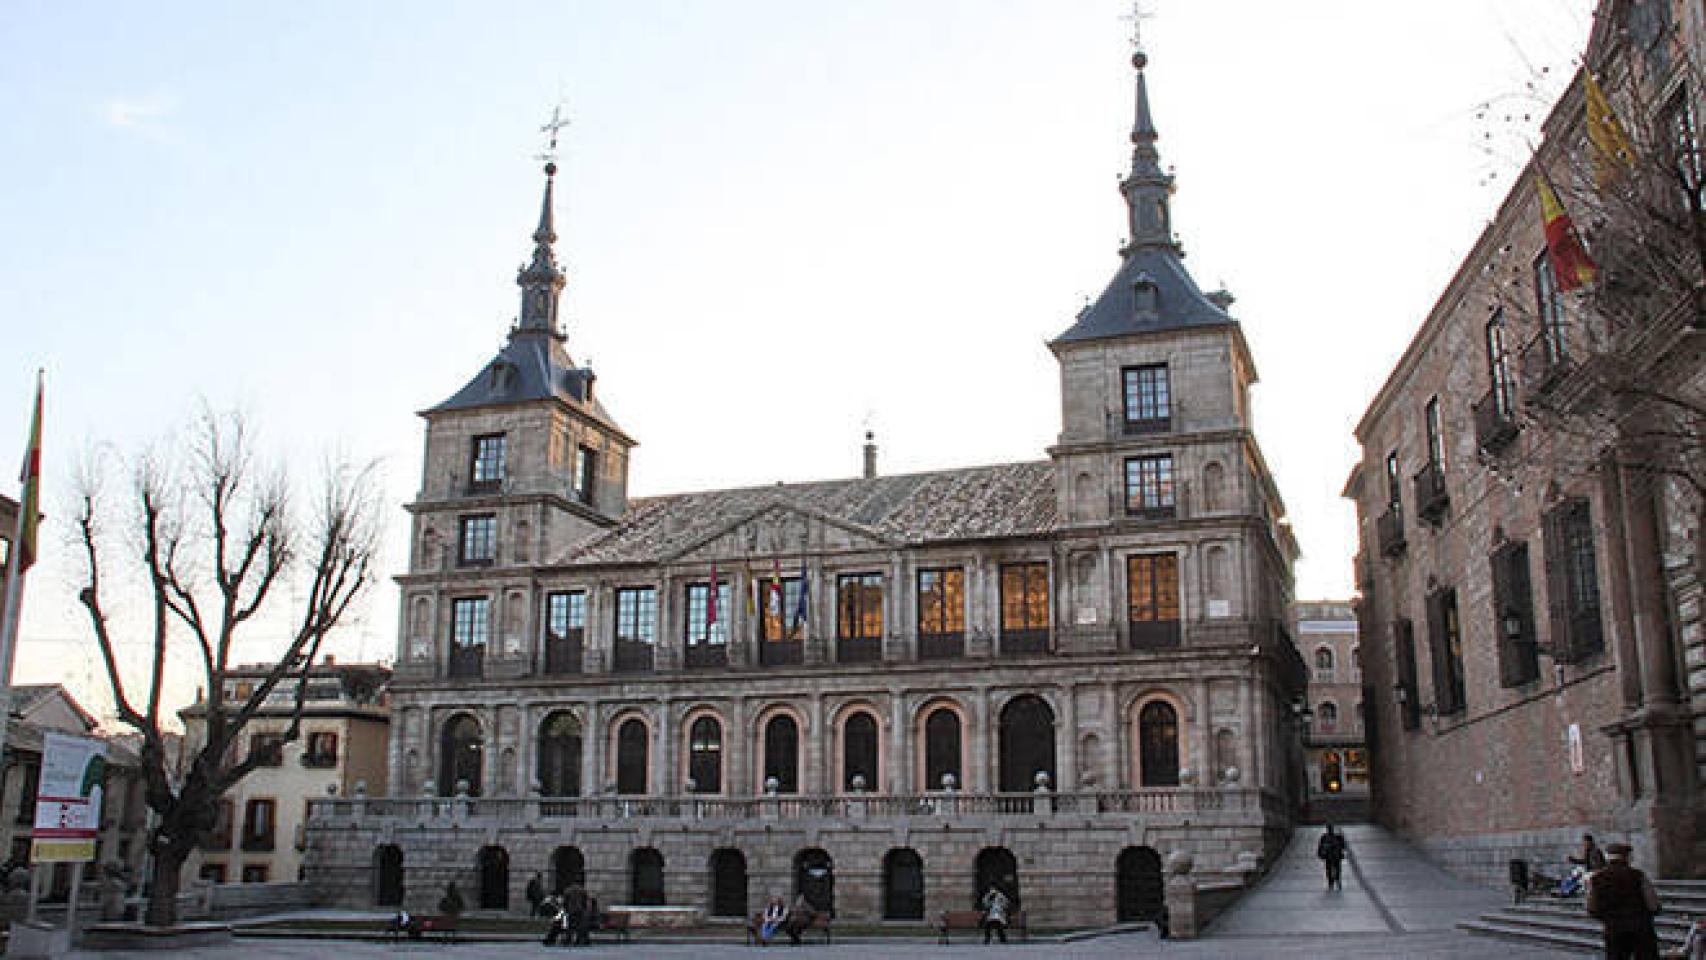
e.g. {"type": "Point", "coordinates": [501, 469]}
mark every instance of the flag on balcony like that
{"type": "Point", "coordinates": [1571, 265]}
{"type": "Point", "coordinates": [711, 601]}
{"type": "Point", "coordinates": [1612, 152]}
{"type": "Point", "coordinates": [773, 605]}
{"type": "Point", "coordinates": [751, 593]}
{"type": "Point", "coordinates": [804, 605]}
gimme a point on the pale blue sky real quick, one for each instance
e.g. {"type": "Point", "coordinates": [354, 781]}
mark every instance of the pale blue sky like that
{"type": "Point", "coordinates": [779, 219]}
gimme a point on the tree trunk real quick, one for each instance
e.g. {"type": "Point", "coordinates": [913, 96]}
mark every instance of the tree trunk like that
{"type": "Point", "coordinates": [163, 892]}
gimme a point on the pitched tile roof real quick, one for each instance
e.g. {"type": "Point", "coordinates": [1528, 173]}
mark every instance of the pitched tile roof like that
{"type": "Point", "coordinates": [1005, 500]}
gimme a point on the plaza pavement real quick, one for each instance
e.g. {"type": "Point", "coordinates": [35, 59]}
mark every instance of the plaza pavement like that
{"type": "Point", "coordinates": [1395, 904]}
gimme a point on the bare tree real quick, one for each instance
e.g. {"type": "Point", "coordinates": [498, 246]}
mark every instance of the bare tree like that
{"type": "Point", "coordinates": [215, 541]}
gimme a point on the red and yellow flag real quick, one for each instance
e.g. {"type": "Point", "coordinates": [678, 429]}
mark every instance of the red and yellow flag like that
{"type": "Point", "coordinates": [29, 506]}
{"type": "Point", "coordinates": [1571, 265]}
{"type": "Point", "coordinates": [1612, 151]}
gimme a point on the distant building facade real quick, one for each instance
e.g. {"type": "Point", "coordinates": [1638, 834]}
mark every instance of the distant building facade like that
{"type": "Point", "coordinates": [886, 694]}
{"type": "Point", "coordinates": [1529, 510]}
{"type": "Point", "coordinates": [340, 751]}
{"type": "Point", "coordinates": [1335, 750]}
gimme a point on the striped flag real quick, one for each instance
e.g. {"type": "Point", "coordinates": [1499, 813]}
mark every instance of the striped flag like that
{"type": "Point", "coordinates": [1571, 265]}
{"type": "Point", "coordinates": [29, 507]}
{"type": "Point", "coordinates": [1612, 151]}
{"type": "Point", "coordinates": [804, 605]}
{"type": "Point", "coordinates": [711, 602]}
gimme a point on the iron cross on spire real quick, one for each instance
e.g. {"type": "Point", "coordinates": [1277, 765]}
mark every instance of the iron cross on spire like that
{"type": "Point", "coordinates": [551, 128]}
{"type": "Point", "coordinates": [1138, 14]}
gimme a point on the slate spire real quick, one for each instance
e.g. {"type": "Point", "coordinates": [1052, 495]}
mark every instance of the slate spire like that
{"type": "Point", "coordinates": [1148, 189]}
{"type": "Point", "coordinates": [542, 279]}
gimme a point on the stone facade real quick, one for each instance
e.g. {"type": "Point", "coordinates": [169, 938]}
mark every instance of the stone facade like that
{"type": "Point", "coordinates": [1044, 675]}
{"type": "Point", "coordinates": [1529, 569]}
{"type": "Point", "coordinates": [1337, 750]}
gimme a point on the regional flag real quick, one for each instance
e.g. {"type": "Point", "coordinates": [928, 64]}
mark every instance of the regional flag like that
{"type": "Point", "coordinates": [804, 604]}
{"type": "Point", "coordinates": [1571, 265]}
{"type": "Point", "coordinates": [711, 602]}
{"type": "Point", "coordinates": [1612, 151]}
{"type": "Point", "coordinates": [29, 507]}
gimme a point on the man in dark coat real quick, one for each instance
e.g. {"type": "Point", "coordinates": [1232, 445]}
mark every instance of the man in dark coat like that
{"type": "Point", "coordinates": [1624, 901]}
{"type": "Point", "coordinates": [536, 895]}
{"type": "Point", "coordinates": [1331, 850]}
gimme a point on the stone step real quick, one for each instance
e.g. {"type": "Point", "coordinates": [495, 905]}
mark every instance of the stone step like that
{"type": "Point", "coordinates": [1674, 922]}
{"type": "Point", "coordinates": [1541, 925]}
{"type": "Point", "coordinates": [1524, 933]}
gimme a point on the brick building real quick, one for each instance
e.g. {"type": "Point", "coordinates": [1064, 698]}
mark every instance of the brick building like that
{"type": "Point", "coordinates": [1529, 516]}
{"type": "Point", "coordinates": [887, 693]}
{"type": "Point", "coordinates": [1335, 750]}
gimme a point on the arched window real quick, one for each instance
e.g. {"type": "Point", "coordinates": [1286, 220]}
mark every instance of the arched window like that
{"type": "Point", "coordinates": [782, 753]}
{"type": "Point", "coordinates": [941, 748]}
{"type": "Point", "coordinates": [568, 869]}
{"type": "Point", "coordinates": [459, 750]}
{"type": "Point", "coordinates": [1139, 891]}
{"type": "Point", "coordinates": [728, 883]}
{"type": "Point", "coordinates": [859, 751]}
{"type": "Point", "coordinates": [560, 755]}
{"type": "Point", "coordinates": [645, 875]}
{"type": "Point", "coordinates": [1158, 738]}
{"type": "Point", "coordinates": [903, 885]}
{"type": "Point", "coordinates": [631, 757]}
{"type": "Point", "coordinates": [705, 755]}
{"type": "Point", "coordinates": [1323, 659]}
{"type": "Point", "coordinates": [1213, 486]}
{"type": "Point", "coordinates": [1027, 743]}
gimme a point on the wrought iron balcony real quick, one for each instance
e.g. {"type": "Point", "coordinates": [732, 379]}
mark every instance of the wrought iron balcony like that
{"type": "Point", "coordinates": [1495, 422]}
{"type": "Point", "coordinates": [707, 655]}
{"type": "Point", "coordinates": [858, 649]}
{"type": "Point", "coordinates": [781, 653]}
{"type": "Point", "coordinates": [1431, 497]}
{"type": "Point", "coordinates": [1154, 634]}
{"type": "Point", "coordinates": [1148, 425]}
{"type": "Point", "coordinates": [563, 656]}
{"type": "Point", "coordinates": [1389, 530]}
{"type": "Point", "coordinates": [633, 656]}
{"type": "Point", "coordinates": [1023, 642]}
{"type": "Point", "coordinates": [466, 661]}
{"type": "Point", "coordinates": [941, 646]}
{"type": "Point", "coordinates": [1545, 361]}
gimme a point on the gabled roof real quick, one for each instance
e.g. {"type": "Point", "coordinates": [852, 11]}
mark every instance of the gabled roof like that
{"type": "Point", "coordinates": [1177, 300]}
{"type": "Point", "coordinates": [1005, 500]}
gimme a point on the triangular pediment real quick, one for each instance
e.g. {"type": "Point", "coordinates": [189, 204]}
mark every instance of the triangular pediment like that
{"type": "Point", "coordinates": [783, 530]}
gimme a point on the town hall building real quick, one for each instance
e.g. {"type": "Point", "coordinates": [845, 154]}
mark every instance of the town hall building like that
{"type": "Point", "coordinates": [887, 693]}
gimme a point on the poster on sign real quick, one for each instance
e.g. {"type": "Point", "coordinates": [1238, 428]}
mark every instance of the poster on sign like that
{"type": "Point", "coordinates": [68, 803]}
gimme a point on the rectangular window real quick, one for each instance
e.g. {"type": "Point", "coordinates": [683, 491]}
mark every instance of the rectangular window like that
{"type": "Point", "coordinates": [1513, 616]}
{"type": "Point", "coordinates": [470, 628]}
{"type": "Point", "coordinates": [636, 615]}
{"type": "Point", "coordinates": [941, 612]}
{"type": "Point", "coordinates": [1148, 399]}
{"type": "Point", "coordinates": [1152, 597]}
{"type": "Point", "coordinates": [565, 631]}
{"type": "Point", "coordinates": [322, 750]}
{"type": "Point", "coordinates": [586, 473]}
{"type": "Point", "coordinates": [486, 472]}
{"type": "Point", "coordinates": [1394, 482]}
{"type": "Point", "coordinates": [1683, 133]}
{"type": "Point", "coordinates": [478, 540]}
{"type": "Point", "coordinates": [1149, 486]}
{"type": "Point", "coordinates": [259, 823]}
{"type": "Point", "coordinates": [1436, 437]}
{"type": "Point", "coordinates": [1024, 608]}
{"type": "Point", "coordinates": [858, 617]}
{"type": "Point", "coordinates": [219, 838]}
{"type": "Point", "coordinates": [254, 873]}
{"type": "Point", "coordinates": [1445, 649]}
{"type": "Point", "coordinates": [269, 747]}
{"type": "Point", "coordinates": [27, 790]}
{"type": "Point", "coordinates": [707, 642]}
{"type": "Point", "coordinates": [1549, 307]}
{"type": "Point", "coordinates": [780, 638]}
{"type": "Point", "coordinates": [1407, 690]}
{"type": "Point", "coordinates": [1498, 365]}
{"type": "Point", "coordinates": [1572, 582]}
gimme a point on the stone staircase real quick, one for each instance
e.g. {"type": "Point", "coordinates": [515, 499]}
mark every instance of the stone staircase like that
{"type": "Point", "coordinates": [1563, 923]}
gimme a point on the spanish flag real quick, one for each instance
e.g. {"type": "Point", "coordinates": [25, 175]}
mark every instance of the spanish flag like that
{"type": "Point", "coordinates": [1612, 151]}
{"type": "Point", "coordinates": [1571, 265]}
{"type": "Point", "coordinates": [29, 506]}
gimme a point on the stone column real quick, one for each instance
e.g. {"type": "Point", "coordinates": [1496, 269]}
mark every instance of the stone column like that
{"type": "Point", "coordinates": [740, 627]}
{"type": "Point", "coordinates": [1066, 778]}
{"type": "Point", "coordinates": [1248, 731]}
{"type": "Point", "coordinates": [593, 741]}
{"type": "Point", "coordinates": [899, 765]}
{"type": "Point", "coordinates": [1202, 737]}
{"type": "Point", "coordinates": [814, 778]}
{"type": "Point", "coordinates": [668, 653]}
{"type": "Point", "coordinates": [737, 779]}
{"type": "Point", "coordinates": [981, 777]}
{"type": "Point", "coordinates": [664, 779]}
{"type": "Point", "coordinates": [898, 622]}
{"type": "Point", "coordinates": [492, 755]}
{"type": "Point", "coordinates": [1621, 604]}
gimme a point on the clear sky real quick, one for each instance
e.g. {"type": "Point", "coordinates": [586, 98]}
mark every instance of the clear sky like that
{"type": "Point", "coordinates": [782, 219]}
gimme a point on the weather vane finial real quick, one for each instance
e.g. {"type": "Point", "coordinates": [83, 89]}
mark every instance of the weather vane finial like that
{"type": "Point", "coordinates": [1138, 14]}
{"type": "Point", "coordinates": [551, 128]}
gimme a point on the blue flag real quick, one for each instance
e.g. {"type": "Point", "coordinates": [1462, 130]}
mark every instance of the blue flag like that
{"type": "Point", "coordinates": [805, 597]}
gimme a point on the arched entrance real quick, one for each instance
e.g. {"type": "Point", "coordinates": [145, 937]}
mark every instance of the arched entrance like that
{"type": "Point", "coordinates": [559, 771]}
{"type": "Point", "coordinates": [1158, 738]}
{"type": "Point", "coordinates": [1027, 743]}
{"type": "Point", "coordinates": [632, 742]}
{"type": "Point", "coordinates": [903, 885]}
{"type": "Point", "coordinates": [814, 878]}
{"type": "Point", "coordinates": [728, 883]}
{"type": "Point", "coordinates": [494, 878]}
{"type": "Point", "coordinates": [459, 752]}
{"type": "Point", "coordinates": [1138, 888]}
{"type": "Point", "coordinates": [568, 869]}
{"type": "Point", "coordinates": [388, 872]}
{"type": "Point", "coordinates": [782, 753]}
{"type": "Point", "coordinates": [645, 872]}
{"type": "Point", "coordinates": [995, 867]}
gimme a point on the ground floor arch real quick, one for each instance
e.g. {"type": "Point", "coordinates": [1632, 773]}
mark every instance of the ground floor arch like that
{"type": "Point", "coordinates": [388, 876]}
{"type": "Point", "coordinates": [903, 885]}
{"type": "Point", "coordinates": [1139, 890]}
{"type": "Point", "coordinates": [995, 867]}
{"type": "Point", "coordinates": [814, 879]}
{"type": "Point", "coordinates": [728, 883]}
{"type": "Point", "coordinates": [494, 878]}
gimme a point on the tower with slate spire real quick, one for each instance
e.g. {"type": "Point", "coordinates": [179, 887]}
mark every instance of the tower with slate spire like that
{"type": "Point", "coordinates": [1155, 424]}
{"type": "Point", "coordinates": [522, 457]}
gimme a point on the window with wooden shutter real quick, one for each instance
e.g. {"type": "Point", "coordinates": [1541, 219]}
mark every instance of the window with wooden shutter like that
{"type": "Point", "coordinates": [1445, 649]}
{"type": "Point", "coordinates": [1572, 582]}
{"type": "Point", "coordinates": [1513, 616]}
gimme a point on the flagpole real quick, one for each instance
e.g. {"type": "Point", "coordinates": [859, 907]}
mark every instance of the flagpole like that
{"type": "Point", "coordinates": [9, 630]}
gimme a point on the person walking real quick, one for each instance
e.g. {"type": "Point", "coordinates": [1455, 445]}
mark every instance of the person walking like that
{"type": "Point", "coordinates": [536, 896]}
{"type": "Point", "coordinates": [1331, 850]}
{"type": "Point", "coordinates": [1623, 900]}
{"type": "Point", "coordinates": [995, 906]}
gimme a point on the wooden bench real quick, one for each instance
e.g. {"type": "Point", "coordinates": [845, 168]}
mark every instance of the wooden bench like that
{"type": "Point", "coordinates": [819, 921]}
{"type": "Point", "coordinates": [951, 920]}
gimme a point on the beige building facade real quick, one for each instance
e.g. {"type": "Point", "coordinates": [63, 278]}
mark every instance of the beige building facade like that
{"type": "Point", "coordinates": [1336, 750]}
{"type": "Point", "coordinates": [887, 693]}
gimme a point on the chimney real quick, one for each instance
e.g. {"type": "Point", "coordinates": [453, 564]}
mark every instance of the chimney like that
{"type": "Point", "coordinates": [870, 456]}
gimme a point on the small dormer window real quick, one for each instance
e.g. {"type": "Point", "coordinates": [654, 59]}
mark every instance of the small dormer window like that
{"type": "Point", "coordinates": [503, 377]}
{"type": "Point", "coordinates": [1143, 295]}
